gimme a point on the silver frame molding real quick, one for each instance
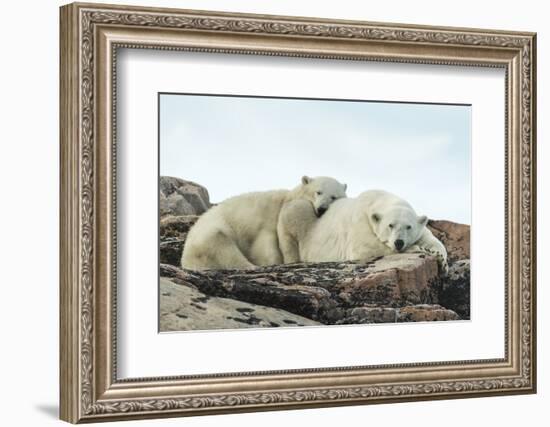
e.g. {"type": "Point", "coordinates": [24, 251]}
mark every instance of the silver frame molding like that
{"type": "Point", "coordinates": [90, 37]}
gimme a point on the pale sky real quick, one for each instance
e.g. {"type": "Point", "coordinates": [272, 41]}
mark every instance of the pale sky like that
{"type": "Point", "coordinates": [233, 145]}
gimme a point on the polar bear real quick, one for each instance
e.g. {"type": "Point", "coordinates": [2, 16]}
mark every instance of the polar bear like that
{"type": "Point", "coordinates": [241, 232]}
{"type": "Point", "coordinates": [376, 223]}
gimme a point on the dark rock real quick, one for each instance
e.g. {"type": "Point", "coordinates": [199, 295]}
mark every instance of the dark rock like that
{"type": "Point", "coordinates": [453, 292]}
{"type": "Point", "coordinates": [173, 232]}
{"type": "Point", "coordinates": [172, 226]}
{"type": "Point", "coordinates": [170, 251]}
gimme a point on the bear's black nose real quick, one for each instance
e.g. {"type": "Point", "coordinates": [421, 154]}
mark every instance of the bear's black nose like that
{"type": "Point", "coordinates": [399, 244]}
{"type": "Point", "coordinates": [321, 211]}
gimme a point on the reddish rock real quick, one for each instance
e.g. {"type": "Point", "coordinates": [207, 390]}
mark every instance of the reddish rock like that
{"type": "Point", "coordinates": [455, 237]}
{"type": "Point", "coordinates": [425, 313]}
{"type": "Point", "coordinates": [413, 313]}
{"type": "Point", "coordinates": [390, 280]}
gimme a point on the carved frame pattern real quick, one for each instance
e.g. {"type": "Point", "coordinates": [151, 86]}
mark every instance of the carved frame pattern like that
{"type": "Point", "coordinates": [80, 401]}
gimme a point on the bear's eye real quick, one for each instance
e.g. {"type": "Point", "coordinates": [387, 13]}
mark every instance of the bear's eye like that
{"type": "Point", "coordinates": [319, 193]}
{"type": "Point", "coordinates": [391, 225]}
{"type": "Point", "coordinates": [333, 197]}
{"type": "Point", "coordinates": [408, 227]}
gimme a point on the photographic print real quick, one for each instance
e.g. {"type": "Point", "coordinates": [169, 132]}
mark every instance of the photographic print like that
{"type": "Point", "coordinates": [286, 212]}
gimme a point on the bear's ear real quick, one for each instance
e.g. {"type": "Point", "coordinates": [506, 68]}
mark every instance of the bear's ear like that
{"type": "Point", "coordinates": [306, 180]}
{"type": "Point", "coordinates": [423, 220]}
{"type": "Point", "coordinates": [376, 217]}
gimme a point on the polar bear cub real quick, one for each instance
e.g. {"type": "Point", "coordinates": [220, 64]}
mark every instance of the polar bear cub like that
{"type": "Point", "coordinates": [376, 223]}
{"type": "Point", "coordinates": [241, 232]}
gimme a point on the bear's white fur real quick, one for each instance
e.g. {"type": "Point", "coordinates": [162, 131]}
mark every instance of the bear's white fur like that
{"type": "Point", "coordinates": [376, 223]}
{"type": "Point", "coordinates": [241, 232]}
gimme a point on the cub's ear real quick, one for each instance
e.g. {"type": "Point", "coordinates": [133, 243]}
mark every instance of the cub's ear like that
{"type": "Point", "coordinates": [306, 180]}
{"type": "Point", "coordinates": [345, 187]}
{"type": "Point", "coordinates": [423, 220]}
{"type": "Point", "coordinates": [376, 217]}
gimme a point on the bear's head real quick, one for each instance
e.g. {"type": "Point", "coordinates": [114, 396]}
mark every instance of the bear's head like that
{"type": "Point", "coordinates": [398, 228]}
{"type": "Point", "coordinates": [322, 191]}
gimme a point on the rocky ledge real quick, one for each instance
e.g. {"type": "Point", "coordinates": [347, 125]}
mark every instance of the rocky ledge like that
{"type": "Point", "coordinates": [396, 288]}
{"type": "Point", "coordinates": [185, 308]}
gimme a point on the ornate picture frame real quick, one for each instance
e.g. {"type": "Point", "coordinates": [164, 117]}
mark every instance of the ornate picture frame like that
{"type": "Point", "coordinates": [90, 37]}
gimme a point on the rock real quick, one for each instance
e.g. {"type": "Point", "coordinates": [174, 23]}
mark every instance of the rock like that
{"type": "Point", "coordinates": [170, 251]}
{"type": "Point", "coordinates": [455, 237]}
{"type": "Point", "coordinates": [453, 291]}
{"type": "Point", "coordinates": [180, 197]}
{"type": "Point", "coordinates": [372, 315]}
{"type": "Point", "coordinates": [177, 226]}
{"type": "Point", "coordinates": [411, 313]}
{"type": "Point", "coordinates": [425, 313]}
{"type": "Point", "coordinates": [336, 292]}
{"type": "Point", "coordinates": [173, 232]}
{"type": "Point", "coordinates": [184, 308]}
{"type": "Point", "coordinates": [392, 280]}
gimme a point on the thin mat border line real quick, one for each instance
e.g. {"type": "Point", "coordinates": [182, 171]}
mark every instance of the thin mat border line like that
{"type": "Point", "coordinates": [300, 98]}
{"type": "Point", "coordinates": [117, 46]}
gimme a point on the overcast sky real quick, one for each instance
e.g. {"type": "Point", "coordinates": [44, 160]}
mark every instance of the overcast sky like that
{"type": "Point", "coordinates": [233, 145]}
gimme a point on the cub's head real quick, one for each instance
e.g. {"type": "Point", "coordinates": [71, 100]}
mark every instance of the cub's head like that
{"type": "Point", "coordinates": [398, 228]}
{"type": "Point", "coordinates": [322, 191]}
